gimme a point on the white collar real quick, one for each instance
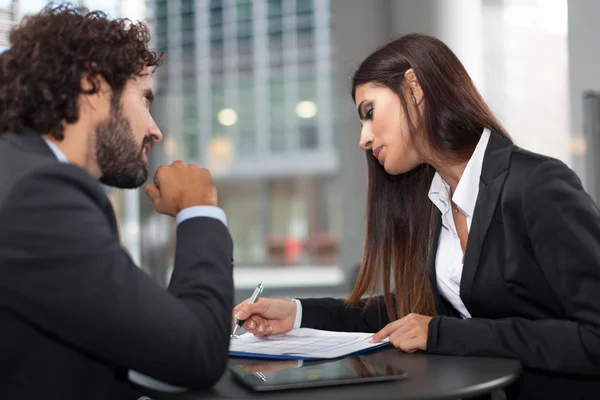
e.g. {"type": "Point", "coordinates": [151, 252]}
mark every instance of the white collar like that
{"type": "Point", "coordinates": [467, 190]}
{"type": "Point", "coordinates": [57, 152]}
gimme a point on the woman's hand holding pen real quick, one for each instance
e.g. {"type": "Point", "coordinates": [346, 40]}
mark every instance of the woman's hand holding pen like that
{"type": "Point", "coordinates": [266, 316]}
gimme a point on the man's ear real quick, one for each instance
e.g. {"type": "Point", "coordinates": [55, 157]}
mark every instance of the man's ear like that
{"type": "Point", "coordinates": [94, 91]}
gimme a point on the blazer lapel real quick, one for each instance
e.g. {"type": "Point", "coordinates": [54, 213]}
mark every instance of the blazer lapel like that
{"type": "Point", "coordinates": [437, 228]}
{"type": "Point", "coordinates": [493, 174]}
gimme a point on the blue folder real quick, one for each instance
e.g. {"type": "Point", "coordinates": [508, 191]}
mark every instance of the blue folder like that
{"type": "Point", "coordinates": [292, 356]}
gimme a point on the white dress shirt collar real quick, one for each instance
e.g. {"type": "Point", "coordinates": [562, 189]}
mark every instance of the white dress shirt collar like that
{"type": "Point", "coordinates": [57, 152]}
{"type": "Point", "coordinates": [467, 189]}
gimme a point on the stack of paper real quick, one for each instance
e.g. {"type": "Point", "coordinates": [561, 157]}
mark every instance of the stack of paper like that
{"type": "Point", "coordinates": [303, 344]}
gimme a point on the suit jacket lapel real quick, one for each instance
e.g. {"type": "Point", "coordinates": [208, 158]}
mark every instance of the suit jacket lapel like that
{"type": "Point", "coordinates": [493, 174]}
{"type": "Point", "coordinates": [437, 226]}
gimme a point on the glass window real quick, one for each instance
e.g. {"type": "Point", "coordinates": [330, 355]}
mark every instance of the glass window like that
{"type": "Point", "coordinates": [277, 113]}
{"type": "Point", "coordinates": [307, 90]}
{"type": "Point", "coordinates": [276, 50]}
{"type": "Point", "coordinates": [309, 135]}
{"type": "Point", "coordinates": [187, 21]}
{"type": "Point", "coordinates": [216, 17]}
{"type": "Point", "coordinates": [187, 6]}
{"type": "Point", "coordinates": [245, 63]}
{"type": "Point", "coordinates": [160, 27]}
{"type": "Point", "coordinates": [190, 140]}
{"type": "Point", "coordinates": [188, 37]}
{"type": "Point", "coordinates": [277, 128]}
{"type": "Point", "coordinates": [244, 45]}
{"type": "Point", "coordinates": [275, 42]}
{"type": "Point", "coordinates": [273, 221]}
{"type": "Point", "coordinates": [189, 109]}
{"type": "Point", "coordinates": [242, 203]}
{"type": "Point", "coordinates": [306, 58]}
{"type": "Point", "coordinates": [303, 6]}
{"type": "Point", "coordinates": [216, 62]}
{"type": "Point", "coordinates": [244, 29]}
{"type": "Point", "coordinates": [244, 11]}
{"type": "Point", "coordinates": [306, 38]}
{"type": "Point", "coordinates": [275, 26]}
{"type": "Point", "coordinates": [218, 104]}
{"type": "Point", "coordinates": [274, 8]}
{"type": "Point", "coordinates": [189, 61]}
{"type": "Point", "coordinates": [160, 8]}
{"type": "Point", "coordinates": [246, 125]}
{"type": "Point", "coordinates": [276, 88]}
{"type": "Point", "coordinates": [304, 20]}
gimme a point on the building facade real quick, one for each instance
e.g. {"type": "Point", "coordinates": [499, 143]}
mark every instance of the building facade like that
{"type": "Point", "coordinates": [246, 90]}
{"type": "Point", "coordinates": [7, 20]}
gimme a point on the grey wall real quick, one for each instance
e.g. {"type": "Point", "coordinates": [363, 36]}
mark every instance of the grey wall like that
{"type": "Point", "coordinates": [584, 54]}
{"type": "Point", "coordinates": [584, 68]}
{"type": "Point", "coordinates": [359, 27]}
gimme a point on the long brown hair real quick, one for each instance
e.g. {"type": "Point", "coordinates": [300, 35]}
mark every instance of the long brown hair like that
{"type": "Point", "coordinates": [400, 216]}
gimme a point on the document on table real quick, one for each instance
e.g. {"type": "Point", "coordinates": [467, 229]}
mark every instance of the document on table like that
{"type": "Point", "coordinates": [303, 344]}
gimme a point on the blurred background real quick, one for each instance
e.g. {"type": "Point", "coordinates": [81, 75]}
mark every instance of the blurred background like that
{"type": "Point", "coordinates": [258, 91]}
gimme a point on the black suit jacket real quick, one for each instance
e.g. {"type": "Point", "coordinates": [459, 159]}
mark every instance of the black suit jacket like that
{"type": "Point", "coordinates": [75, 311]}
{"type": "Point", "coordinates": [531, 274]}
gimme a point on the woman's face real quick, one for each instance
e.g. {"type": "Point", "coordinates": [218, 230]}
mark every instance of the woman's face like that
{"type": "Point", "coordinates": [386, 128]}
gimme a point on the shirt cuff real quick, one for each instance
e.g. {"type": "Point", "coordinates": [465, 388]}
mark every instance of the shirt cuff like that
{"type": "Point", "coordinates": [298, 320]}
{"type": "Point", "coordinates": [201, 211]}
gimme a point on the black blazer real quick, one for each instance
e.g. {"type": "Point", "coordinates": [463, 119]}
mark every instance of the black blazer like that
{"type": "Point", "coordinates": [531, 274]}
{"type": "Point", "coordinates": [75, 311]}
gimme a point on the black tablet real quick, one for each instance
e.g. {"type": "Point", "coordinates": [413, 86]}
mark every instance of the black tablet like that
{"type": "Point", "coordinates": [292, 374]}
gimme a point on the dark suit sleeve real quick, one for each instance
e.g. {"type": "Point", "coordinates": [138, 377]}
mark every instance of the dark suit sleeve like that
{"type": "Point", "coordinates": [68, 275]}
{"type": "Point", "coordinates": [563, 225]}
{"type": "Point", "coordinates": [335, 315]}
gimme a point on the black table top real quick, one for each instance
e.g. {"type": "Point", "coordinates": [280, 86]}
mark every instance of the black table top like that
{"type": "Point", "coordinates": [429, 377]}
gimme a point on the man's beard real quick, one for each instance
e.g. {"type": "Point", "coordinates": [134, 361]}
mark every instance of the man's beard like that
{"type": "Point", "coordinates": [119, 157]}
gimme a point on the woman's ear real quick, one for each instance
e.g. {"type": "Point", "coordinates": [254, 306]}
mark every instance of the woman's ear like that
{"type": "Point", "coordinates": [416, 93]}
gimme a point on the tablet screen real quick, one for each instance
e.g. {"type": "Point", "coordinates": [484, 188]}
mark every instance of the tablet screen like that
{"type": "Point", "coordinates": [292, 374]}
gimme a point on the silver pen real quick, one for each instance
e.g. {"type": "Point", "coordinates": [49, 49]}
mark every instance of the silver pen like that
{"type": "Point", "coordinates": [253, 298]}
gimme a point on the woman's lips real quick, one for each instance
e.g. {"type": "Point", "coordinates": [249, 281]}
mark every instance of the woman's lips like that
{"type": "Point", "coordinates": [377, 151]}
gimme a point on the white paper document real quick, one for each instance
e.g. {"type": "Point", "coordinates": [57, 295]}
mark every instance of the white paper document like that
{"type": "Point", "coordinates": [303, 343]}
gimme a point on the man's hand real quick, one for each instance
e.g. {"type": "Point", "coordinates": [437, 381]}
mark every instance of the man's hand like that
{"type": "Point", "coordinates": [180, 186]}
{"type": "Point", "coordinates": [408, 334]}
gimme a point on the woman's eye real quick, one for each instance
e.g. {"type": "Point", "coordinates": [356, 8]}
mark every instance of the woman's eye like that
{"type": "Point", "coordinates": [369, 114]}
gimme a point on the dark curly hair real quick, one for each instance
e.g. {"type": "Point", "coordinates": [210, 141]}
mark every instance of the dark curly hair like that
{"type": "Point", "coordinates": [50, 52]}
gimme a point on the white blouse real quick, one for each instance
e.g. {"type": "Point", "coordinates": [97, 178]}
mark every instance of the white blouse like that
{"type": "Point", "coordinates": [449, 256]}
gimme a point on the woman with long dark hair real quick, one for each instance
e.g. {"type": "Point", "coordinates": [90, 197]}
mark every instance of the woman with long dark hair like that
{"type": "Point", "coordinates": [480, 247]}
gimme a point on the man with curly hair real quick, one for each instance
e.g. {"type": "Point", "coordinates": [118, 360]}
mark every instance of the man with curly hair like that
{"type": "Point", "coordinates": [76, 313]}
